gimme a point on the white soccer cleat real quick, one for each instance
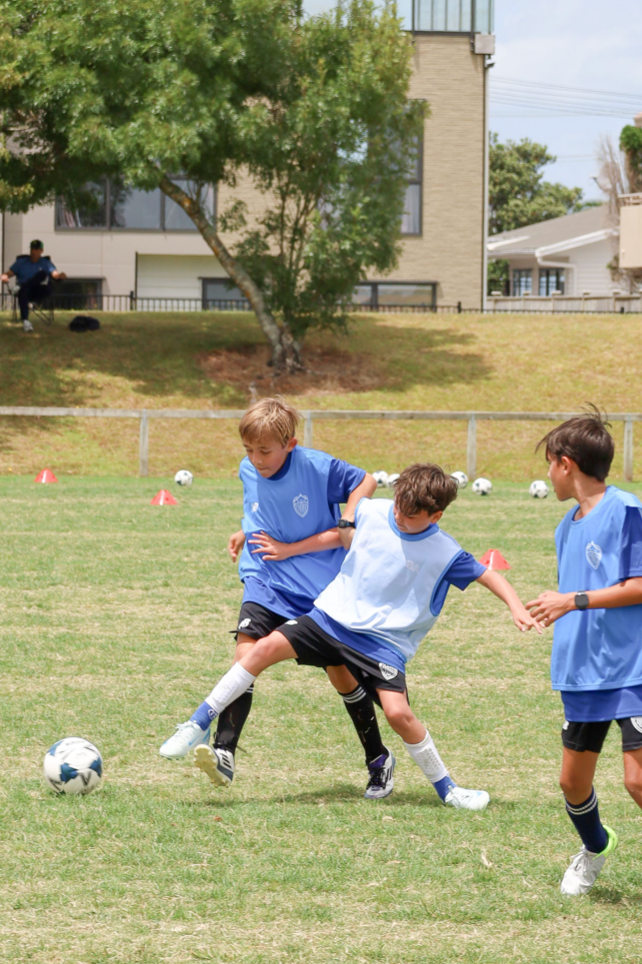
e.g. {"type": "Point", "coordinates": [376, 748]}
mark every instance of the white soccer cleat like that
{"type": "Point", "coordinates": [585, 868]}
{"type": "Point", "coordinates": [217, 763]}
{"type": "Point", "coordinates": [188, 735]}
{"type": "Point", "coordinates": [462, 799]}
{"type": "Point", "coordinates": [381, 782]}
{"type": "Point", "coordinates": [27, 326]}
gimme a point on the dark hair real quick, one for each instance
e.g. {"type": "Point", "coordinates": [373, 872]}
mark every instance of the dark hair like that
{"type": "Point", "coordinates": [586, 440]}
{"type": "Point", "coordinates": [424, 488]}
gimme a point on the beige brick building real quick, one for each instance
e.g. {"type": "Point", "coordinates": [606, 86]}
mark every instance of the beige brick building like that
{"type": "Point", "coordinates": [142, 243]}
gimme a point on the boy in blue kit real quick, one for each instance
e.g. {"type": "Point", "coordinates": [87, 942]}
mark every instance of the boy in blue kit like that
{"type": "Point", "coordinates": [293, 494]}
{"type": "Point", "coordinates": [372, 617]}
{"type": "Point", "coordinates": [596, 661]}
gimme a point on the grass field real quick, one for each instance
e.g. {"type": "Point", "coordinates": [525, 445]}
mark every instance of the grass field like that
{"type": "Point", "coordinates": [434, 362]}
{"type": "Point", "coordinates": [113, 622]}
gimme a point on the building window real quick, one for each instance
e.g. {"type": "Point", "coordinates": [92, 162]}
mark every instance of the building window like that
{"type": "Point", "coordinates": [420, 294]}
{"type": "Point", "coordinates": [550, 280]}
{"type": "Point", "coordinates": [522, 281]}
{"type": "Point", "coordinates": [89, 209]}
{"type": "Point", "coordinates": [79, 294]}
{"type": "Point", "coordinates": [111, 206]}
{"type": "Point", "coordinates": [453, 16]}
{"type": "Point", "coordinates": [222, 292]}
{"type": "Point", "coordinates": [411, 217]}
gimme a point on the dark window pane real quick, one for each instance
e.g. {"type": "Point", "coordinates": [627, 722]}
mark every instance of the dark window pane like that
{"type": "Point", "coordinates": [522, 281]}
{"type": "Point", "coordinates": [398, 294]}
{"type": "Point", "coordinates": [215, 289]}
{"type": "Point", "coordinates": [454, 15]}
{"type": "Point", "coordinates": [411, 218]}
{"type": "Point", "coordinates": [362, 295]}
{"type": "Point", "coordinates": [132, 208]}
{"type": "Point", "coordinates": [175, 217]}
{"type": "Point", "coordinates": [88, 209]}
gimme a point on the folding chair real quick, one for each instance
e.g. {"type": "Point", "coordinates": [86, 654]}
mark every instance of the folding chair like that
{"type": "Point", "coordinates": [38, 310]}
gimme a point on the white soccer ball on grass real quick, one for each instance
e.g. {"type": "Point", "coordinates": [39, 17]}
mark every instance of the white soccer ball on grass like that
{"type": "Point", "coordinates": [381, 478]}
{"type": "Point", "coordinates": [392, 480]}
{"type": "Point", "coordinates": [73, 765]}
{"type": "Point", "coordinates": [461, 479]}
{"type": "Point", "coordinates": [538, 489]}
{"type": "Point", "coordinates": [183, 477]}
{"type": "Point", "coordinates": [482, 486]}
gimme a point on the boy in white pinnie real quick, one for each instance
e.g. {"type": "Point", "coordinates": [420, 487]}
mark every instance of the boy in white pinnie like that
{"type": "Point", "coordinates": [375, 613]}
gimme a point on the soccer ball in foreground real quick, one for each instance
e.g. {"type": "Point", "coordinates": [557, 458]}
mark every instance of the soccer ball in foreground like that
{"type": "Point", "coordinates": [392, 480]}
{"type": "Point", "coordinates": [73, 765]}
{"type": "Point", "coordinates": [381, 478]}
{"type": "Point", "coordinates": [482, 486]}
{"type": "Point", "coordinates": [461, 479]}
{"type": "Point", "coordinates": [183, 477]}
{"type": "Point", "coordinates": [538, 489]}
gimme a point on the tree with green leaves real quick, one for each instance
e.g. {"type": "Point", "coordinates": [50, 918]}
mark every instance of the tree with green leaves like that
{"type": "Point", "coordinates": [631, 146]}
{"type": "Point", "coordinates": [519, 195]}
{"type": "Point", "coordinates": [313, 109]}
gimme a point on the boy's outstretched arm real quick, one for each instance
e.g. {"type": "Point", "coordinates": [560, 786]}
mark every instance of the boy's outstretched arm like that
{"type": "Point", "coordinates": [235, 544]}
{"type": "Point", "coordinates": [504, 591]}
{"type": "Point", "coordinates": [550, 606]}
{"type": "Point", "coordinates": [271, 550]}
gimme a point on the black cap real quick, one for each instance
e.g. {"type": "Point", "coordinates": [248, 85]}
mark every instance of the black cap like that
{"type": "Point", "coordinates": [37, 244]}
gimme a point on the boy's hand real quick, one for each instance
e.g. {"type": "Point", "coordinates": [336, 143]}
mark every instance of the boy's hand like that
{"type": "Point", "coordinates": [523, 619]}
{"type": "Point", "coordinates": [550, 606]}
{"type": "Point", "coordinates": [235, 544]}
{"type": "Point", "coordinates": [271, 550]}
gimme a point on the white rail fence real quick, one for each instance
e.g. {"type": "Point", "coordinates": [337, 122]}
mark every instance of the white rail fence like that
{"type": "Point", "coordinates": [472, 418]}
{"type": "Point", "coordinates": [578, 304]}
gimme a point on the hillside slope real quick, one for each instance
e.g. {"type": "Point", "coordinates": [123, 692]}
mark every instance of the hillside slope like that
{"type": "Point", "coordinates": [438, 362]}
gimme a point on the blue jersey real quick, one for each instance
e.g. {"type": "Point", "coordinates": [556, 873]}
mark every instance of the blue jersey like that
{"type": "Point", "coordinates": [301, 500]}
{"type": "Point", "coordinates": [25, 269]}
{"type": "Point", "coordinates": [599, 649]}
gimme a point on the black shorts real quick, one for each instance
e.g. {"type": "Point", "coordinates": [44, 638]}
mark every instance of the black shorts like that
{"type": "Point", "coordinates": [591, 736]}
{"type": "Point", "coordinates": [256, 621]}
{"type": "Point", "coordinates": [314, 647]}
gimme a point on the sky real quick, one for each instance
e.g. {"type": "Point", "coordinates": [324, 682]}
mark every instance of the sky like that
{"type": "Point", "coordinates": [588, 45]}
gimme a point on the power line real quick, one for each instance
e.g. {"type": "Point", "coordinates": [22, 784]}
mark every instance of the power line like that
{"type": "Point", "coordinates": [580, 90]}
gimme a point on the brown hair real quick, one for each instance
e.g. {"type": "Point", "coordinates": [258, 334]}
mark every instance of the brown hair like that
{"type": "Point", "coordinates": [586, 440]}
{"type": "Point", "coordinates": [269, 416]}
{"type": "Point", "coordinates": [424, 488]}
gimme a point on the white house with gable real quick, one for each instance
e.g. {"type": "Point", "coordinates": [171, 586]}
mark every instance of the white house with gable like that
{"type": "Point", "coordinates": [566, 256]}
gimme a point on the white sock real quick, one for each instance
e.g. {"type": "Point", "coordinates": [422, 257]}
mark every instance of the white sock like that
{"type": "Point", "coordinates": [235, 682]}
{"type": "Point", "coordinates": [427, 758]}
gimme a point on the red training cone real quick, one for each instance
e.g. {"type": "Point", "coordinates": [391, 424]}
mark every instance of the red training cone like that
{"type": "Point", "coordinates": [45, 476]}
{"type": "Point", "coordinates": [163, 497]}
{"type": "Point", "coordinates": [493, 559]}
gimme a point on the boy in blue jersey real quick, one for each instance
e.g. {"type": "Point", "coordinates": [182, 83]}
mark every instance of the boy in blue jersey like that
{"type": "Point", "coordinates": [293, 494]}
{"type": "Point", "coordinates": [596, 661]}
{"type": "Point", "coordinates": [372, 617]}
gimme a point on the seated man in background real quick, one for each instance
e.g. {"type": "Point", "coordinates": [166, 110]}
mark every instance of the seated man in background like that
{"type": "Point", "coordinates": [34, 273]}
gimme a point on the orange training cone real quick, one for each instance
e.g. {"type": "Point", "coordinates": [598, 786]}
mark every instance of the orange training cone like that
{"type": "Point", "coordinates": [493, 559]}
{"type": "Point", "coordinates": [163, 497]}
{"type": "Point", "coordinates": [45, 476]}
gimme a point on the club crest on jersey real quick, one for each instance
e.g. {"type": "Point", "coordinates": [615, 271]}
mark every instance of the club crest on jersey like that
{"type": "Point", "coordinates": [301, 505]}
{"type": "Point", "coordinates": [593, 554]}
{"type": "Point", "coordinates": [388, 672]}
{"type": "Point", "coordinates": [255, 507]}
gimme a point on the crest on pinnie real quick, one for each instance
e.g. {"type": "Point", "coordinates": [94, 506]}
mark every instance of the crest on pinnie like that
{"type": "Point", "coordinates": [301, 505]}
{"type": "Point", "coordinates": [593, 555]}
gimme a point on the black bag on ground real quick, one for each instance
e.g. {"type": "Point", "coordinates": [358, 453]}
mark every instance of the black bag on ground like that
{"type": "Point", "coordinates": [84, 323]}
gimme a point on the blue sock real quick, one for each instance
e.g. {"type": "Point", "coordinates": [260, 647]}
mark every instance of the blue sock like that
{"type": "Point", "coordinates": [444, 786]}
{"type": "Point", "coordinates": [203, 715]}
{"type": "Point", "coordinates": [586, 818]}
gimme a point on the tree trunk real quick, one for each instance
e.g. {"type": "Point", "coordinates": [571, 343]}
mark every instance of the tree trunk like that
{"type": "Point", "coordinates": [286, 352]}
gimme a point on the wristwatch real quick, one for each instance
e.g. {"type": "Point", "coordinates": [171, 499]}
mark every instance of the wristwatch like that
{"type": "Point", "coordinates": [581, 601]}
{"type": "Point", "coordinates": [346, 524]}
